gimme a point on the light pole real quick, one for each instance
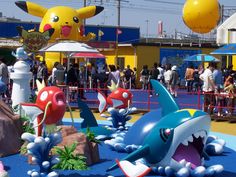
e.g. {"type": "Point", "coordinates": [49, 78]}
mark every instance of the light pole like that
{"type": "Point", "coordinates": [147, 21]}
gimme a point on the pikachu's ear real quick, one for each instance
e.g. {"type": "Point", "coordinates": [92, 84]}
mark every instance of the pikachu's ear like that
{"type": "Point", "coordinates": [89, 11]}
{"type": "Point", "coordinates": [32, 8]}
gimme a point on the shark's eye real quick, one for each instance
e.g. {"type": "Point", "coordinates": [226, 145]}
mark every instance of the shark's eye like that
{"type": "Point", "coordinates": [44, 96]}
{"type": "Point", "coordinates": [76, 20]}
{"type": "Point", "coordinates": [55, 19]}
{"type": "Point", "coordinates": [125, 95]}
{"type": "Point", "coordinates": [167, 132]}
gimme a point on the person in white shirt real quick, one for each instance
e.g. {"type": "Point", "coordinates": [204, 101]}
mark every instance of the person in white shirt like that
{"type": "Point", "coordinates": [167, 75]}
{"type": "Point", "coordinates": [208, 88]}
{"type": "Point", "coordinates": [160, 76]}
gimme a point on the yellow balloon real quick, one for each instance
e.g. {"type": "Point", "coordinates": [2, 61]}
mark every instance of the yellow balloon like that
{"type": "Point", "coordinates": [201, 16]}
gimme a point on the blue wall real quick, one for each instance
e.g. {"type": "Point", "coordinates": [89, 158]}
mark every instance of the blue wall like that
{"type": "Point", "coordinates": [8, 30]}
{"type": "Point", "coordinates": [129, 35]}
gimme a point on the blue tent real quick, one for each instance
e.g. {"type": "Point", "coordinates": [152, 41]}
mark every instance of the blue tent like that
{"type": "Point", "coordinates": [228, 49]}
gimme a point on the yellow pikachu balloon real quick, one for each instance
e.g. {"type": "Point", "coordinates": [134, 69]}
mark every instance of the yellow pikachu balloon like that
{"type": "Point", "coordinates": [201, 16]}
{"type": "Point", "coordinates": [65, 21]}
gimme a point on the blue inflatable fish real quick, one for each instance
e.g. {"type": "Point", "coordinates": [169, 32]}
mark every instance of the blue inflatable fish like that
{"type": "Point", "coordinates": [179, 135]}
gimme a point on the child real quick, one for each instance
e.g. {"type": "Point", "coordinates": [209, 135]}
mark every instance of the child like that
{"type": "Point", "coordinates": [229, 89]}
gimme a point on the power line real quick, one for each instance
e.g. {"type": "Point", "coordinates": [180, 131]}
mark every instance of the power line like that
{"type": "Point", "coordinates": [166, 2]}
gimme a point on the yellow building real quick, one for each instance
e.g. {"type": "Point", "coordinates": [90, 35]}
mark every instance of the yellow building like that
{"type": "Point", "coordinates": [139, 54]}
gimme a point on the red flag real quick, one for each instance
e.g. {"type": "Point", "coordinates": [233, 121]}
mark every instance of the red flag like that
{"type": "Point", "coordinates": [118, 31]}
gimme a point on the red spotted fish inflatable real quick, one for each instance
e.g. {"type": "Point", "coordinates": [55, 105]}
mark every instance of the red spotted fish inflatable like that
{"type": "Point", "coordinates": [48, 109]}
{"type": "Point", "coordinates": [119, 98]}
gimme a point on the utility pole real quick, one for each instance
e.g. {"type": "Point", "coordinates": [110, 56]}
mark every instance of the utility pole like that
{"type": "Point", "coordinates": [118, 28]}
{"type": "Point", "coordinates": [85, 4]}
{"type": "Point", "coordinates": [118, 10]}
{"type": "Point", "coordinates": [147, 32]}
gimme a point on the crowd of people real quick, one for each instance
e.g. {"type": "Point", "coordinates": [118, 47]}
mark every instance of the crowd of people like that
{"type": "Point", "coordinates": [167, 75]}
{"type": "Point", "coordinates": [216, 84]}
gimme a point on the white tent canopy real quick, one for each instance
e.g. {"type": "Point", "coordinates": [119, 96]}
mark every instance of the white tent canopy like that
{"type": "Point", "coordinates": [69, 47]}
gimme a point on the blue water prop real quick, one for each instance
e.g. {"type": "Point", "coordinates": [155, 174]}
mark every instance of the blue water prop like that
{"type": "Point", "coordinates": [119, 117]}
{"type": "Point", "coordinates": [40, 147]}
{"type": "Point", "coordinates": [174, 143]}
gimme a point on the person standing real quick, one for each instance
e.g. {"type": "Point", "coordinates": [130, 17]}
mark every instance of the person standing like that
{"type": "Point", "coordinates": [153, 75]}
{"type": "Point", "coordinates": [167, 74]}
{"type": "Point", "coordinates": [144, 77]}
{"type": "Point", "coordinates": [128, 74]}
{"type": "Point", "coordinates": [42, 72]}
{"type": "Point", "coordinates": [189, 77]}
{"type": "Point", "coordinates": [208, 88]}
{"type": "Point", "coordinates": [73, 80]}
{"type": "Point", "coordinates": [174, 78]}
{"type": "Point", "coordinates": [4, 75]}
{"type": "Point", "coordinates": [160, 76]}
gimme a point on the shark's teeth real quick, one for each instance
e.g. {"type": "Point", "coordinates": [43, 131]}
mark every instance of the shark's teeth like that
{"type": "Point", "coordinates": [185, 142]}
{"type": "Point", "coordinates": [183, 162]}
{"type": "Point", "coordinates": [201, 134]}
{"type": "Point", "coordinates": [190, 139]}
{"type": "Point", "coordinates": [197, 134]}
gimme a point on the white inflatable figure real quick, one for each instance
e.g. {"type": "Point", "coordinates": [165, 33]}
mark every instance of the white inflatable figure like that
{"type": "Point", "coordinates": [131, 170]}
{"type": "Point", "coordinates": [21, 78]}
{"type": "Point", "coordinates": [3, 173]}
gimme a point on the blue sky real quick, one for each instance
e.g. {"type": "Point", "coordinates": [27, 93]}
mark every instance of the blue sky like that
{"type": "Point", "coordinates": [134, 13]}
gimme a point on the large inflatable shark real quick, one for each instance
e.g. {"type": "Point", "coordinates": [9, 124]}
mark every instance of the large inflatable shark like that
{"type": "Point", "coordinates": [174, 140]}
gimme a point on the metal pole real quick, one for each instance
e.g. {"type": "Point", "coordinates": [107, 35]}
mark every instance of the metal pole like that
{"type": "Point", "coordinates": [147, 31]}
{"type": "Point", "coordinates": [85, 4]}
{"type": "Point", "coordinates": [118, 8]}
{"type": "Point", "coordinates": [118, 27]}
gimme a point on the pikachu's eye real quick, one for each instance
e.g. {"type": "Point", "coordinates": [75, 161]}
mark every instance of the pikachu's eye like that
{"type": "Point", "coordinates": [55, 19]}
{"type": "Point", "coordinates": [76, 20]}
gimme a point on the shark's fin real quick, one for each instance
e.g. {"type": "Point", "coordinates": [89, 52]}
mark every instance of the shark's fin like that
{"type": "Point", "coordinates": [165, 99]}
{"type": "Point", "coordinates": [138, 154]}
{"type": "Point", "coordinates": [138, 170]}
{"type": "Point", "coordinates": [85, 113]}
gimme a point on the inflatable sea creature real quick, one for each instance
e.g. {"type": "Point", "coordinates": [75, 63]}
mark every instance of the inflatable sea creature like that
{"type": "Point", "coordinates": [65, 21]}
{"type": "Point", "coordinates": [49, 108]}
{"type": "Point", "coordinates": [101, 132]}
{"type": "Point", "coordinates": [40, 148]}
{"type": "Point", "coordinates": [174, 144]}
{"type": "Point", "coordinates": [119, 98]}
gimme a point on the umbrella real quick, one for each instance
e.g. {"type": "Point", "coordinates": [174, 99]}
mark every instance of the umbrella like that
{"type": "Point", "coordinates": [69, 47]}
{"type": "Point", "coordinates": [87, 55]}
{"type": "Point", "coordinates": [228, 49]}
{"type": "Point", "coordinates": [202, 58]}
